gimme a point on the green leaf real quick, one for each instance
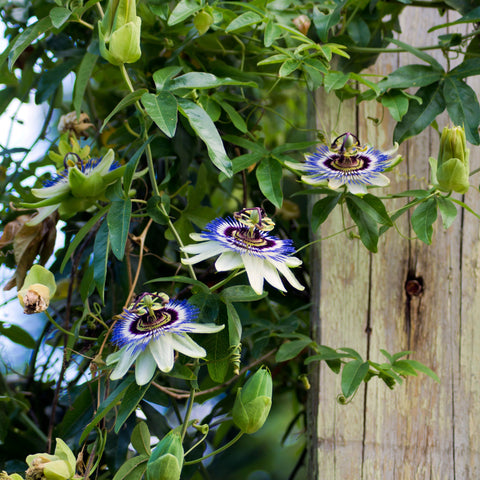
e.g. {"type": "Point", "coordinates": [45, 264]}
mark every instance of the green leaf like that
{"type": "Point", "coordinates": [131, 166]}
{"type": "Point", "coordinates": [218, 356]}
{"type": "Point", "coordinates": [183, 10]}
{"type": "Point", "coordinates": [161, 77]}
{"type": "Point", "coordinates": [17, 335]}
{"type": "Point", "coordinates": [322, 209]}
{"type": "Point", "coordinates": [101, 249]}
{"type": "Point", "coordinates": [241, 293]}
{"type": "Point", "coordinates": [59, 15]}
{"type": "Point", "coordinates": [335, 80]}
{"type": "Point", "coordinates": [424, 369]}
{"type": "Point", "coordinates": [420, 116]}
{"type": "Point", "coordinates": [141, 439]}
{"type": "Point", "coordinates": [155, 211]}
{"type": "Point", "coordinates": [203, 126]}
{"type": "Point", "coordinates": [373, 207]}
{"type": "Point", "coordinates": [234, 116]}
{"type": "Point", "coordinates": [462, 107]}
{"type": "Point", "coordinates": [290, 350]}
{"type": "Point", "coordinates": [162, 109]}
{"type": "Point", "coordinates": [269, 175]}
{"type": "Point", "coordinates": [201, 80]}
{"type": "Point", "coordinates": [118, 220]}
{"type": "Point", "coordinates": [133, 396]}
{"type": "Point", "coordinates": [418, 53]}
{"type": "Point", "coordinates": [468, 68]}
{"type": "Point", "coordinates": [397, 104]}
{"type": "Point", "coordinates": [131, 98]}
{"type": "Point", "coordinates": [324, 22]}
{"type": "Point", "coordinates": [81, 235]}
{"type": "Point", "coordinates": [244, 20]}
{"type": "Point", "coordinates": [82, 78]}
{"type": "Point", "coordinates": [367, 226]}
{"type": "Point", "coordinates": [359, 31]}
{"type": "Point", "coordinates": [133, 469]}
{"type": "Point", "coordinates": [234, 325]}
{"type": "Point", "coordinates": [353, 374]}
{"type": "Point", "coordinates": [423, 217]}
{"type": "Point", "coordinates": [108, 404]}
{"type": "Point", "coordinates": [26, 38]}
{"type": "Point", "coordinates": [272, 32]}
{"type": "Point", "coordinates": [289, 66]}
{"type": "Point", "coordinates": [448, 210]}
{"type": "Point", "coordinates": [403, 367]}
{"type": "Point", "coordinates": [244, 161]}
{"type": "Point", "coordinates": [411, 76]}
{"type": "Point", "coordinates": [352, 353]}
{"type": "Point", "coordinates": [51, 80]}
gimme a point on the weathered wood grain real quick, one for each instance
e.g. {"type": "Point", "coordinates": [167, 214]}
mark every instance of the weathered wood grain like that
{"type": "Point", "coordinates": [421, 430]}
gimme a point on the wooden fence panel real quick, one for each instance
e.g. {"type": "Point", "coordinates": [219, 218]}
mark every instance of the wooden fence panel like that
{"type": "Point", "coordinates": [421, 430]}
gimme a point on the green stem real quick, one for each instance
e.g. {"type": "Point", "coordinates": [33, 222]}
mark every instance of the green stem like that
{"type": "Point", "coordinates": [196, 444]}
{"type": "Point", "coordinates": [66, 332]}
{"type": "Point", "coordinates": [226, 280]}
{"type": "Point", "coordinates": [221, 449]}
{"type": "Point", "coordinates": [191, 399]}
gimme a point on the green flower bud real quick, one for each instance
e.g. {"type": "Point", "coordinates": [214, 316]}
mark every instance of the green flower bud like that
{"type": "Point", "coordinates": [253, 402]}
{"type": "Point", "coordinates": [166, 460]}
{"type": "Point", "coordinates": [202, 21]}
{"type": "Point", "coordinates": [38, 287]}
{"type": "Point", "coordinates": [60, 466]}
{"type": "Point", "coordinates": [452, 167]}
{"type": "Point", "coordinates": [119, 32]}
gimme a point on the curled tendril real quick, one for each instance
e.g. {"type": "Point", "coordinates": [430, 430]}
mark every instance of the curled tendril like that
{"type": "Point", "coordinates": [235, 357]}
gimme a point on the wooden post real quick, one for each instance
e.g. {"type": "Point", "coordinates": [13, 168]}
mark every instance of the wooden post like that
{"type": "Point", "coordinates": [421, 430]}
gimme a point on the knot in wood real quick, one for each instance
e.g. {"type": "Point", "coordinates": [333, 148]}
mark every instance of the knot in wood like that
{"type": "Point", "coordinates": [414, 287]}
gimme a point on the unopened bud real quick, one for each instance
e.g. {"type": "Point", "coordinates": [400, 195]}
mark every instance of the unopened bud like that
{"type": "Point", "coordinates": [202, 21]}
{"type": "Point", "coordinates": [166, 461]}
{"type": "Point", "coordinates": [302, 22]}
{"type": "Point", "coordinates": [452, 167]}
{"type": "Point", "coordinates": [60, 466]}
{"type": "Point", "coordinates": [253, 402]}
{"type": "Point", "coordinates": [119, 32]}
{"type": "Point", "coordinates": [38, 287]}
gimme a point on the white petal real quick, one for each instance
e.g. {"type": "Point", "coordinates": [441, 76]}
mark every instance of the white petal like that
{"type": "Point", "coordinates": [184, 344]}
{"type": "Point", "coordinates": [380, 180]}
{"type": "Point", "coordinates": [335, 183]}
{"type": "Point", "coordinates": [214, 250]}
{"type": "Point", "coordinates": [357, 188]}
{"type": "Point", "coordinates": [126, 360]}
{"type": "Point", "coordinates": [254, 268]}
{"type": "Point", "coordinates": [204, 327]}
{"type": "Point", "coordinates": [228, 261]}
{"type": "Point", "coordinates": [272, 277]}
{"type": "Point", "coordinates": [312, 181]}
{"type": "Point", "coordinates": [144, 367]}
{"type": "Point", "coordinates": [285, 271]}
{"type": "Point", "coordinates": [297, 166]}
{"type": "Point", "coordinates": [202, 247]}
{"type": "Point", "coordinates": [293, 262]}
{"type": "Point", "coordinates": [198, 237]}
{"type": "Point", "coordinates": [162, 351]}
{"type": "Point", "coordinates": [43, 213]}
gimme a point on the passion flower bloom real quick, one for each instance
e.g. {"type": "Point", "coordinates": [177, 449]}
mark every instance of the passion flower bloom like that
{"type": "Point", "coordinates": [347, 163]}
{"type": "Point", "coordinates": [77, 187]}
{"type": "Point", "coordinates": [244, 242]}
{"type": "Point", "coordinates": [150, 330]}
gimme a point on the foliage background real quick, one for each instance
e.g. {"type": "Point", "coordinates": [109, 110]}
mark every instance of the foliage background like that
{"type": "Point", "coordinates": [273, 65]}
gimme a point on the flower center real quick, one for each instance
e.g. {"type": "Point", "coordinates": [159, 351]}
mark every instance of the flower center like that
{"type": "Point", "coordinates": [347, 162]}
{"type": "Point", "coordinates": [248, 238]}
{"type": "Point", "coordinates": [148, 323]}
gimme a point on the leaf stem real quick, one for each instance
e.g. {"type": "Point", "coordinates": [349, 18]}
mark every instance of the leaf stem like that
{"type": "Point", "coordinates": [221, 449]}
